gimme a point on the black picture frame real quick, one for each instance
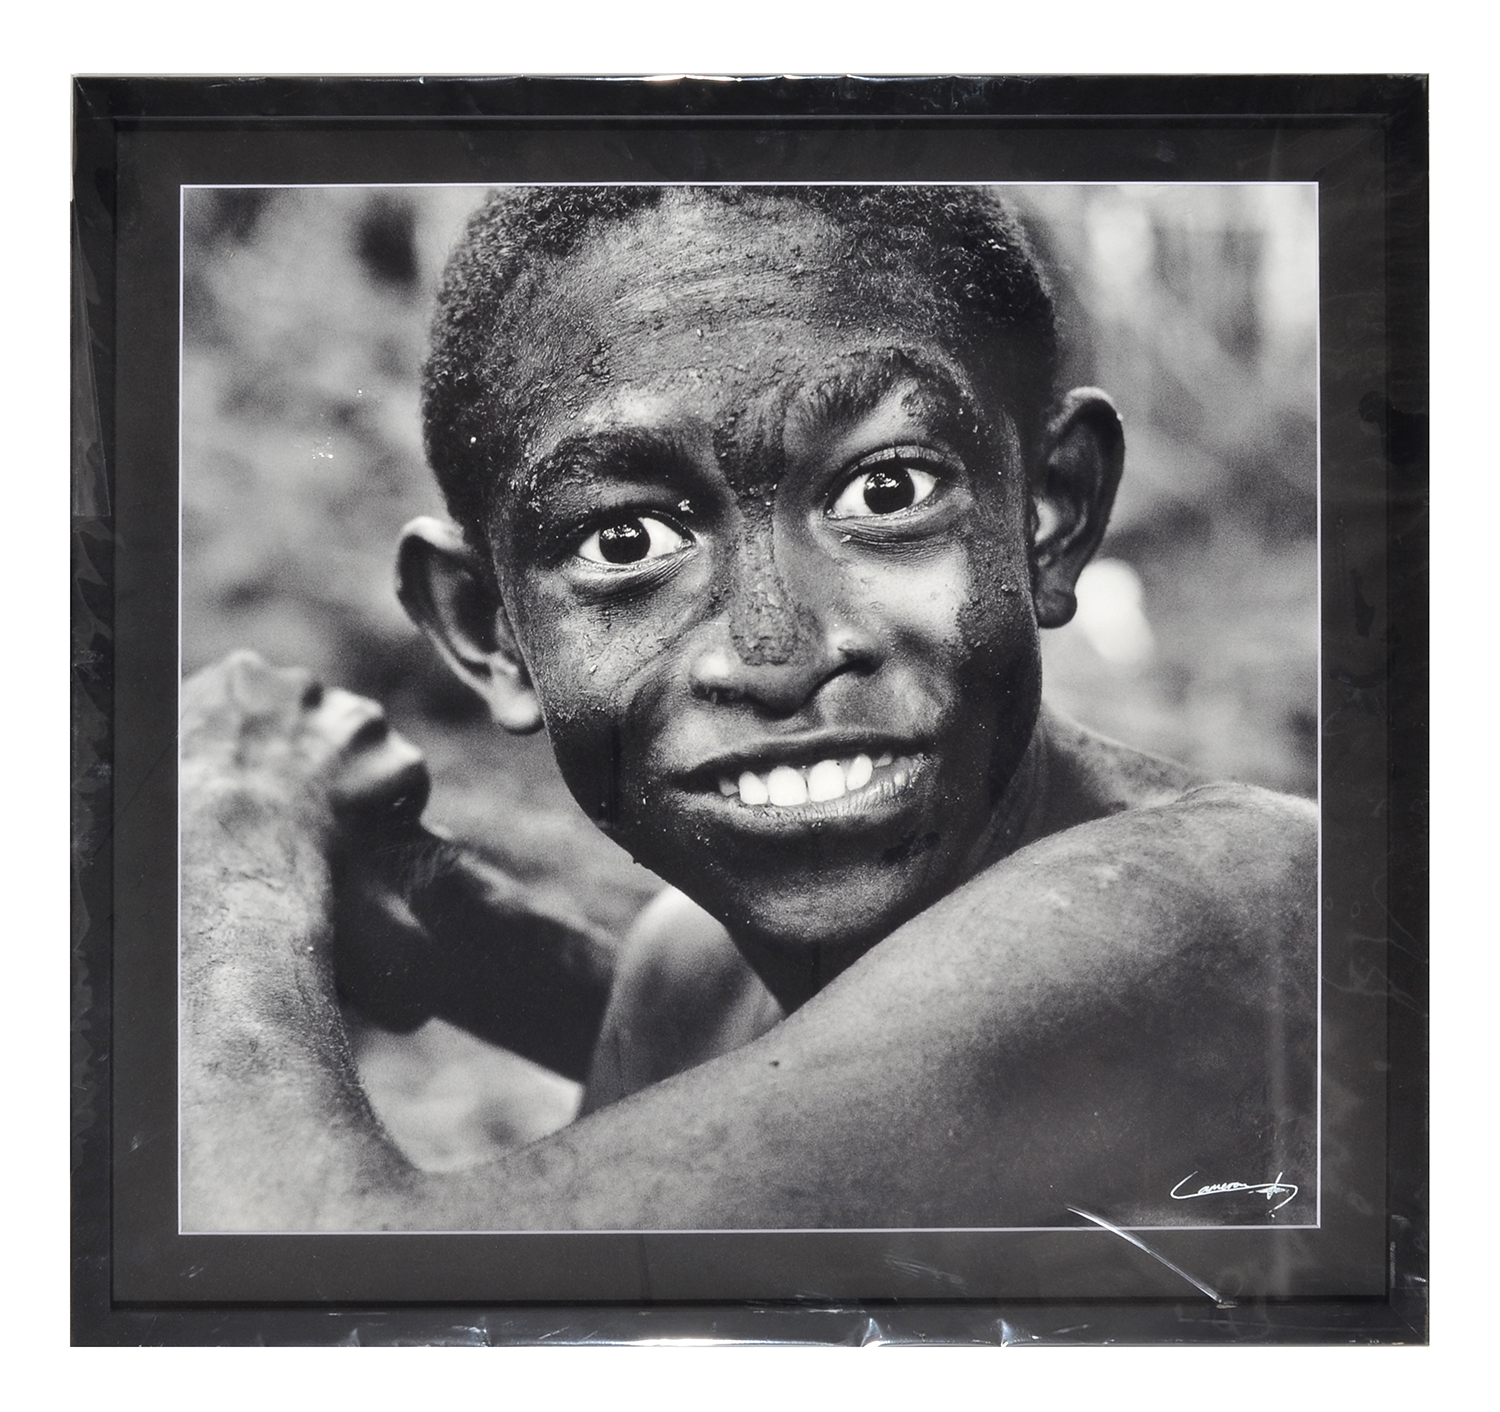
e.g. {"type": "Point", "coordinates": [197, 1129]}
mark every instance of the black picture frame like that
{"type": "Point", "coordinates": [1363, 139]}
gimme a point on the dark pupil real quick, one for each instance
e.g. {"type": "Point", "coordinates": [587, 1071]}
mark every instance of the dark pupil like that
{"type": "Point", "coordinates": [889, 491]}
{"type": "Point", "coordinates": [625, 542]}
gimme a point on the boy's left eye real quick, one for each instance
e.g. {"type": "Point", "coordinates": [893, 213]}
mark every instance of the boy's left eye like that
{"type": "Point", "coordinates": [886, 489]}
{"type": "Point", "coordinates": [632, 539]}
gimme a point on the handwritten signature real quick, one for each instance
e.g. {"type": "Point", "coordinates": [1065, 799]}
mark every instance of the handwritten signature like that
{"type": "Point", "coordinates": [1269, 1190]}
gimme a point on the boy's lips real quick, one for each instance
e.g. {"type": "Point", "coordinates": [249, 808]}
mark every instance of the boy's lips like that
{"type": "Point", "coordinates": [790, 786]}
{"type": "Point", "coordinates": [820, 780]}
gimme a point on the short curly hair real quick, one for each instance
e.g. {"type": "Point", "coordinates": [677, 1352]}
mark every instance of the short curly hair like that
{"type": "Point", "coordinates": [961, 239]}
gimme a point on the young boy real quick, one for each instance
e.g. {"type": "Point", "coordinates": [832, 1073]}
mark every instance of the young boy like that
{"type": "Point", "coordinates": [759, 499]}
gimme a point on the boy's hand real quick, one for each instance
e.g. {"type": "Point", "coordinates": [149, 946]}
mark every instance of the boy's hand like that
{"type": "Point", "coordinates": [278, 777]}
{"type": "Point", "coordinates": [259, 743]}
{"type": "Point", "coordinates": [310, 799]}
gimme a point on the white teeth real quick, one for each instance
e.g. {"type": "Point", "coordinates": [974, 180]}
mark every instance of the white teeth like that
{"type": "Point", "coordinates": [786, 786]}
{"type": "Point", "coordinates": [825, 781]}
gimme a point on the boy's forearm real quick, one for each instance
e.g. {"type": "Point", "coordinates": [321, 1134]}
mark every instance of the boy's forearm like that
{"type": "Point", "coordinates": [276, 1130]}
{"type": "Point", "coordinates": [1070, 1030]}
{"type": "Point", "coordinates": [477, 948]}
{"type": "Point", "coordinates": [1079, 1028]}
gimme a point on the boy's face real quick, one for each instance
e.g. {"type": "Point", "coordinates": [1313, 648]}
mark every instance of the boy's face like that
{"type": "Point", "coordinates": [766, 560]}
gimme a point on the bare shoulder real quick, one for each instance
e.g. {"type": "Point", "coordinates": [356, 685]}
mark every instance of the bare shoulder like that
{"type": "Point", "coordinates": [1132, 998]}
{"type": "Point", "coordinates": [1091, 777]}
{"type": "Point", "coordinates": [682, 994]}
{"type": "Point", "coordinates": [1125, 833]}
{"type": "Point", "coordinates": [1244, 857]}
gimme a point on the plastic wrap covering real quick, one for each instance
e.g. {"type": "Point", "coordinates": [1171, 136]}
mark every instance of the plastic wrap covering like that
{"type": "Point", "coordinates": [671, 891]}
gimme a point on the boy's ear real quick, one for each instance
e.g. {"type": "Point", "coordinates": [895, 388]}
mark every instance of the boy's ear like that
{"type": "Point", "coordinates": [447, 592]}
{"type": "Point", "coordinates": [1084, 455]}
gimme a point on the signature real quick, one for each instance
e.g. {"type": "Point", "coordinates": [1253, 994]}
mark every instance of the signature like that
{"type": "Point", "coordinates": [1268, 1190]}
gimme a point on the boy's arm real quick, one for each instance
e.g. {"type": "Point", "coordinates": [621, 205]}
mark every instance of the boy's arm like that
{"type": "Point", "coordinates": [425, 927]}
{"type": "Point", "coordinates": [1110, 1011]}
{"type": "Point", "coordinates": [276, 1130]}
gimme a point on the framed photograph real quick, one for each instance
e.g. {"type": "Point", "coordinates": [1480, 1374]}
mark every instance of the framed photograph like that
{"type": "Point", "coordinates": [788, 709]}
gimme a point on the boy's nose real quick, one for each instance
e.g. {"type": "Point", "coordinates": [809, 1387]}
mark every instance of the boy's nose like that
{"type": "Point", "coordinates": [726, 673]}
{"type": "Point", "coordinates": [782, 628]}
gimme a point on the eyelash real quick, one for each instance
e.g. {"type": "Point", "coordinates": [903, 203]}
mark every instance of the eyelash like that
{"type": "Point", "coordinates": [663, 540]}
{"type": "Point", "coordinates": [922, 474]}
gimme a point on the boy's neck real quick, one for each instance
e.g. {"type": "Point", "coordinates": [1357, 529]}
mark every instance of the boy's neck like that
{"type": "Point", "coordinates": [1019, 816]}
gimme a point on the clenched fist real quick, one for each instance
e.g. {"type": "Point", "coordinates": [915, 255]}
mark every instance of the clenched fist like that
{"type": "Point", "coordinates": [258, 739]}
{"type": "Point", "coordinates": [300, 825]}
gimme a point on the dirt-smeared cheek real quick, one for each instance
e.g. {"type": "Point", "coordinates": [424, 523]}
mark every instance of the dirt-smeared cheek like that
{"type": "Point", "coordinates": [997, 633]}
{"type": "Point", "coordinates": [967, 633]}
{"type": "Point", "coordinates": [602, 680]}
{"type": "Point", "coordinates": [964, 613]}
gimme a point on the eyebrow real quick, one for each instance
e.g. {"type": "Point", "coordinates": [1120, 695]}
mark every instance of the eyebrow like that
{"type": "Point", "coordinates": [630, 452]}
{"type": "Point", "coordinates": [855, 391]}
{"type": "Point", "coordinates": [842, 396]}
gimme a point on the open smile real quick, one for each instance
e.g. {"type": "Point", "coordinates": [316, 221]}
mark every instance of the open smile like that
{"type": "Point", "coordinates": [792, 786]}
{"type": "Point", "coordinates": [810, 783]}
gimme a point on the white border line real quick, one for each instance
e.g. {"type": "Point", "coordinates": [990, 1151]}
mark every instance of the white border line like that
{"type": "Point", "coordinates": [1318, 489]}
{"type": "Point", "coordinates": [181, 500]}
{"type": "Point", "coordinates": [538, 185]}
{"type": "Point", "coordinates": [1315, 1224]}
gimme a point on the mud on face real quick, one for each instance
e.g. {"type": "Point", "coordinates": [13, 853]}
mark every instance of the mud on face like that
{"type": "Point", "coordinates": [771, 529]}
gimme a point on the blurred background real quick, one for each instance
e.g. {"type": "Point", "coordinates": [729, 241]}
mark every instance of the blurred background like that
{"type": "Point", "coordinates": [305, 321]}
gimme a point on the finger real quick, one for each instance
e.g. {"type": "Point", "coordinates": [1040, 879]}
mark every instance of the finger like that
{"type": "Point", "coordinates": [244, 684]}
{"type": "Point", "coordinates": [389, 780]}
{"type": "Point", "coordinates": [372, 767]}
{"type": "Point", "coordinates": [343, 721]}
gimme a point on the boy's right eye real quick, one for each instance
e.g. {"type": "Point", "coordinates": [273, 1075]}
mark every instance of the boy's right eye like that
{"type": "Point", "coordinates": [632, 539]}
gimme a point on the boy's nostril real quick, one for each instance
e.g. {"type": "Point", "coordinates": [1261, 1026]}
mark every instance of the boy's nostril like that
{"type": "Point", "coordinates": [853, 647]}
{"type": "Point", "coordinates": [713, 678]}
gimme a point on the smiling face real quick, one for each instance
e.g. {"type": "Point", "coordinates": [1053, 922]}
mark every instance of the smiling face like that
{"type": "Point", "coordinates": [765, 565]}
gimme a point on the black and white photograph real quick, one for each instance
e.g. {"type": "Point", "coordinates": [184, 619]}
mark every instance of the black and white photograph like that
{"type": "Point", "coordinates": [750, 708]}
{"type": "Point", "coordinates": [771, 710]}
